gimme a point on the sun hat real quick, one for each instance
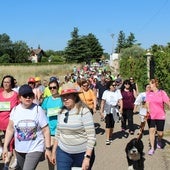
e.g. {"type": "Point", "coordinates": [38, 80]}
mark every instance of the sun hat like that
{"type": "Point", "coordinates": [31, 80]}
{"type": "Point", "coordinates": [68, 88]}
{"type": "Point", "coordinates": [37, 79]}
{"type": "Point", "coordinates": [25, 89]}
{"type": "Point", "coordinates": [53, 79]}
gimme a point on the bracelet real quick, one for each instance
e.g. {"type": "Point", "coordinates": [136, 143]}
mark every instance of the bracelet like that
{"type": "Point", "coordinates": [87, 156]}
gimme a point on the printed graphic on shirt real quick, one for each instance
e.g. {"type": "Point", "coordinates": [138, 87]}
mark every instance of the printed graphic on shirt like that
{"type": "Point", "coordinates": [53, 111]}
{"type": "Point", "coordinates": [4, 106]}
{"type": "Point", "coordinates": [26, 130]}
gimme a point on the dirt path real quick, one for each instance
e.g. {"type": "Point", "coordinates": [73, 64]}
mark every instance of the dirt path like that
{"type": "Point", "coordinates": [112, 157]}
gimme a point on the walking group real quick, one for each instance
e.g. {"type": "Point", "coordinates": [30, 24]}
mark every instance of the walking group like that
{"type": "Point", "coordinates": [54, 119]}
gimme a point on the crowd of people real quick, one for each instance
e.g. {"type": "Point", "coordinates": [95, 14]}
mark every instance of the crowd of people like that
{"type": "Point", "coordinates": [55, 118]}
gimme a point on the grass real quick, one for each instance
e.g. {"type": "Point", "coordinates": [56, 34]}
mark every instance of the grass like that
{"type": "Point", "coordinates": [23, 72]}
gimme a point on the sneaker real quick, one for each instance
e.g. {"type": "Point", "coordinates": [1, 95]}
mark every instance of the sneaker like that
{"type": "Point", "coordinates": [14, 164]}
{"type": "Point", "coordinates": [159, 144]}
{"type": "Point", "coordinates": [151, 152]}
{"type": "Point", "coordinates": [108, 142]}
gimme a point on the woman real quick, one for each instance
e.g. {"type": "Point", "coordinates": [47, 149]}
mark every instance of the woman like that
{"type": "Point", "coordinates": [52, 105]}
{"type": "Point", "coordinates": [88, 96]}
{"type": "Point", "coordinates": [128, 95]}
{"type": "Point", "coordinates": [75, 136]}
{"type": "Point", "coordinates": [8, 100]}
{"type": "Point", "coordinates": [29, 127]}
{"type": "Point", "coordinates": [155, 100]}
{"type": "Point", "coordinates": [110, 100]}
{"type": "Point", "coordinates": [141, 103]}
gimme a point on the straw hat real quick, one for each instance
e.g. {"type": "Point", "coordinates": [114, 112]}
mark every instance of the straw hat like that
{"type": "Point", "coordinates": [68, 88]}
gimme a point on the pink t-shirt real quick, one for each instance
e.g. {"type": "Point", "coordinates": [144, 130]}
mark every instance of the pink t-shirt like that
{"type": "Point", "coordinates": [156, 102]}
{"type": "Point", "coordinates": [8, 104]}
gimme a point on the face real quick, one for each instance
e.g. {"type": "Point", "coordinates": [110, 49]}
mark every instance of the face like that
{"type": "Point", "coordinates": [31, 84]}
{"type": "Point", "coordinates": [113, 86]}
{"type": "Point", "coordinates": [7, 83]}
{"type": "Point", "coordinates": [27, 100]}
{"type": "Point", "coordinates": [53, 88]}
{"type": "Point", "coordinates": [68, 100]}
{"type": "Point", "coordinates": [85, 86]}
{"type": "Point", "coordinates": [148, 88]}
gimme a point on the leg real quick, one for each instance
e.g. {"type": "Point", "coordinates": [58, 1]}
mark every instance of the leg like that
{"type": "Point", "coordinates": [64, 160]}
{"type": "Point", "coordinates": [130, 120]}
{"type": "Point", "coordinates": [31, 160]}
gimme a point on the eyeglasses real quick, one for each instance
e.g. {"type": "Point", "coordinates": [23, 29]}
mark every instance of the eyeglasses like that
{"type": "Point", "coordinates": [29, 95]}
{"type": "Point", "coordinates": [114, 85]}
{"type": "Point", "coordinates": [85, 85]}
{"type": "Point", "coordinates": [54, 87]}
{"type": "Point", "coordinates": [66, 117]}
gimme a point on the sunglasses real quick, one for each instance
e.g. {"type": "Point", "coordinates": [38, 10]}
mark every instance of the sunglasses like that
{"type": "Point", "coordinates": [66, 117]}
{"type": "Point", "coordinates": [29, 95]}
{"type": "Point", "coordinates": [54, 87]}
{"type": "Point", "coordinates": [114, 85]}
{"type": "Point", "coordinates": [85, 85]}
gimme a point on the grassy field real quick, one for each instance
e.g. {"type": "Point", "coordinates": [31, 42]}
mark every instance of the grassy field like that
{"type": "Point", "coordinates": [23, 72]}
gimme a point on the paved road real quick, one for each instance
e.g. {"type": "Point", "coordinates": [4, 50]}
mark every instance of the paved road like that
{"type": "Point", "coordinates": [112, 157]}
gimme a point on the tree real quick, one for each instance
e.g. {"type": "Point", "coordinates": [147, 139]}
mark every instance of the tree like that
{"type": "Point", "coordinates": [83, 48]}
{"type": "Point", "coordinates": [130, 41]}
{"type": "Point", "coordinates": [121, 42]}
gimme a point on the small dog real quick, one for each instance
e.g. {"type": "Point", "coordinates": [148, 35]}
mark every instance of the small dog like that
{"type": "Point", "coordinates": [134, 154]}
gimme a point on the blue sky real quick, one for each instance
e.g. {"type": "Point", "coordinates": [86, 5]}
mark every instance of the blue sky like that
{"type": "Point", "coordinates": [50, 22]}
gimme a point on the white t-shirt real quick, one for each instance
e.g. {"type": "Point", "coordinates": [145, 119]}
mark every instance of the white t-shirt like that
{"type": "Point", "coordinates": [28, 124]}
{"type": "Point", "coordinates": [111, 98]}
{"type": "Point", "coordinates": [140, 101]}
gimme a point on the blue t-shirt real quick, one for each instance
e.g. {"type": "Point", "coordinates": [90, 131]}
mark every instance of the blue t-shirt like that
{"type": "Point", "coordinates": [52, 106]}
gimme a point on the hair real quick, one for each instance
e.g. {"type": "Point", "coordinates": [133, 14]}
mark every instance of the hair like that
{"type": "Point", "coordinates": [126, 82]}
{"type": "Point", "coordinates": [109, 84]}
{"type": "Point", "coordinates": [155, 81]}
{"type": "Point", "coordinates": [12, 80]}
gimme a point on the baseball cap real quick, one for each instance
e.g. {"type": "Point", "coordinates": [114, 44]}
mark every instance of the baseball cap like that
{"type": "Point", "coordinates": [53, 79]}
{"type": "Point", "coordinates": [25, 89]}
{"type": "Point", "coordinates": [31, 80]}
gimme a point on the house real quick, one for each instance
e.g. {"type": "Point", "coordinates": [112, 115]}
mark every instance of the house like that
{"type": "Point", "coordinates": [36, 55]}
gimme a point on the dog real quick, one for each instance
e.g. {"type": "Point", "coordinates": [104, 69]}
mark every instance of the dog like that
{"type": "Point", "coordinates": [134, 154]}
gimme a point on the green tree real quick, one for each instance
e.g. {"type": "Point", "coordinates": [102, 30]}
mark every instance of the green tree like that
{"type": "Point", "coordinates": [133, 63]}
{"type": "Point", "coordinates": [121, 42]}
{"type": "Point", "coordinates": [130, 41]}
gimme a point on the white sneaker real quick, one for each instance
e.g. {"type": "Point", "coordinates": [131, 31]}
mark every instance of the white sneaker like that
{"type": "Point", "coordinates": [14, 164]}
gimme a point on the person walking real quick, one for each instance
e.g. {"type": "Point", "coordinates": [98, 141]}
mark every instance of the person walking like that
{"type": "Point", "coordinates": [88, 96]}
{"type": "Point", "coordinates": [75, 136]}
{"type": "Point", "coordinates": [111, 100]}
{"type": "Point", "coordinates": [155, 100]}
{"type": "Point", "coordinates": [52, 105]}
{"type": "Point", "coordinates": [140, 102]}
{"type": "Point", "coordinates": [128, 95]}
{"type": "Point", "coordinates": [8, 100]}
{"type": "Point", "coordinates": [28, 125]}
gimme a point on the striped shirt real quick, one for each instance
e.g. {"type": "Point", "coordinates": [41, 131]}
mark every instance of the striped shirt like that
{"type": "Point", "coordinates": [75, 132]}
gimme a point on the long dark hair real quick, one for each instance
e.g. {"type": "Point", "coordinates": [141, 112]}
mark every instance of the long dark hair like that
{"type": "Point", "coordinates": [126, 82]}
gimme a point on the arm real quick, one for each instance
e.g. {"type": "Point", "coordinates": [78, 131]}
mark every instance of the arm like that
{"type": "Point", "coordinates": [46, 133]}
{"type": "Point", "coordinates": [121, 106]}
{"type": "Point", "coordinates": [53, 158]}
{"type": "Point", "coordinates": [102, 108]}
{"type": "Point", "coordinates": [8, 136]}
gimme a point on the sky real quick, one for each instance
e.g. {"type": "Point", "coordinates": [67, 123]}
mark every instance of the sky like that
{"type": "Point", "coordinates": [49, 23]}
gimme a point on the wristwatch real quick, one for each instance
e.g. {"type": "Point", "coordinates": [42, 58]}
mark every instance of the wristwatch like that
{"type": "Point", "coordinates": [87, 156]}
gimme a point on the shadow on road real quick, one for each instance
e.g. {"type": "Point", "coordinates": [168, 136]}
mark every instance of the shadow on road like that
{"type": "Point", "coordinates": [98, 128]}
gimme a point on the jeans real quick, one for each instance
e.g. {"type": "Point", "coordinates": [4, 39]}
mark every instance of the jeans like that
{"type": "Point", "coordinates": [66, 161]}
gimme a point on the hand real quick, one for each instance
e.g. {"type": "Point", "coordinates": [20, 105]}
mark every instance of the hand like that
{"type": "Point", "coordinates": [53, 158]}
{"type": "Point", "coordinates": [85, 164]}
{"type": "Point", "coordinates": [48, 154]}
{"type": "Point", "coordinates": [5, 154]}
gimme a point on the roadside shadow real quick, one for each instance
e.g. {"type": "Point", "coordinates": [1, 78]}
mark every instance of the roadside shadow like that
{"type": "Point", "coordinates": [165, 143]}
{"type": "Point", "coordinates": [98, 129]}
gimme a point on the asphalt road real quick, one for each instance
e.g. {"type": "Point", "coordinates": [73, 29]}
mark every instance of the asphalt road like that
{"type": "Point", "coordinates": [112, 157]}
